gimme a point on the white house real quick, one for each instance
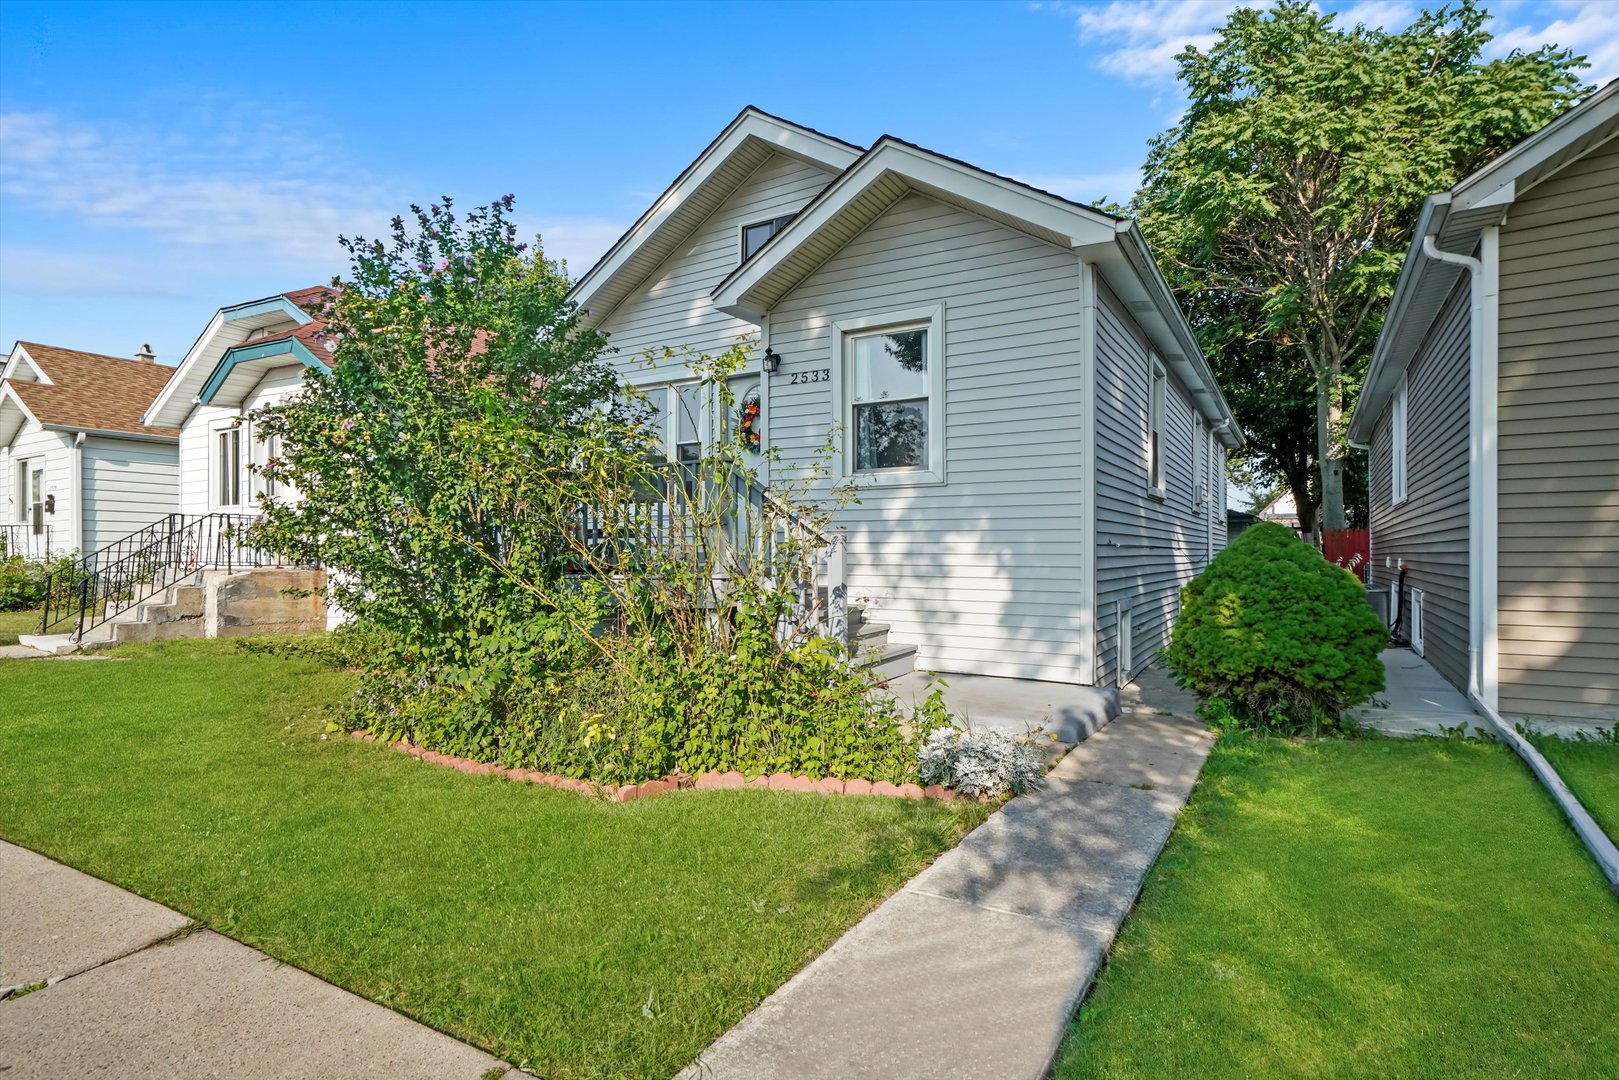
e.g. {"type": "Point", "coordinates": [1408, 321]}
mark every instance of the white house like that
{"type": "Point", "coordinates": [1038, 442]}
{"type": "Point", "coordinates": [81, 469]}
{"type": "Point", "coordinates": [249, 356]}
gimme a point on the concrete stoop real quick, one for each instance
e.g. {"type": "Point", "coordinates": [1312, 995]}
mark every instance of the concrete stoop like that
{"type": "Point", "coordinates": [213, 603]}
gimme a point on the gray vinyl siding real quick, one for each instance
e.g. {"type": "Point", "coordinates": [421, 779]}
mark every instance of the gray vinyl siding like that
{"type": "Point", "coordinates": [127, 486]}
{"type": "Point", "coordinates": [671, 308]}
{"type": "Point", "coordinates": [1558, 464]}
{"type": "Point", "coordinates": [1429, 529]}
{"type": "Point", "coordinates": [981, 573]}
{"type": "Point", "coordinates": [1146, 548]}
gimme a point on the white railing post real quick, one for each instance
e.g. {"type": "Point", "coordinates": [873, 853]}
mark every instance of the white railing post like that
{"type": "Point", "coordinates": [837, 592]}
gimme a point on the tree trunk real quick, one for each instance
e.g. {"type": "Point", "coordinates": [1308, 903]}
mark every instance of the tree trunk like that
{"type": "Point", "coordinates": [1328, 453]}
{"type": "Point", "coordinates": [1298, 482]}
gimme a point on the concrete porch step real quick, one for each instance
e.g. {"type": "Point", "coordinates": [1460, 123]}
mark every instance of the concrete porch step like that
{"type": "Point", "coordinates": [893, 661]}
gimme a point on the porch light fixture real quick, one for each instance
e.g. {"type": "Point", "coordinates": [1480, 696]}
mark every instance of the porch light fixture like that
{"type": "Point", "coordinates": [772, 361]}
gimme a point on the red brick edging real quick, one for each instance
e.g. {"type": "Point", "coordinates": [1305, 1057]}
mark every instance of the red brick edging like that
{"type": "Point", "coordinates": [703, 781]}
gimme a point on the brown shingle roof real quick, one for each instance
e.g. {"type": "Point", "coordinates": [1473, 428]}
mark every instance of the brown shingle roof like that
{"type": "Point", "coordinates": [92, 392]}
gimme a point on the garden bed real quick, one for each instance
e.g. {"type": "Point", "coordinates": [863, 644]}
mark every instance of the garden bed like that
{"type": "Point", "coordinates": [583, 938]}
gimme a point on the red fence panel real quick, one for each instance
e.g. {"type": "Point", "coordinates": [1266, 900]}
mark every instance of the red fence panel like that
{"type": "Point", "coordinates": [1348, 547]}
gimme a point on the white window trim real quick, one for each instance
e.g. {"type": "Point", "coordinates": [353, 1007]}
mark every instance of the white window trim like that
{"type": "Point", "coordinates": [244, 480]}
{"type": "Point", "coordinates": [1157, 406]}
{"type": "Point", "coordinates": [930, 318]}
{"type": "Point", "coordinates": [1399, 444]}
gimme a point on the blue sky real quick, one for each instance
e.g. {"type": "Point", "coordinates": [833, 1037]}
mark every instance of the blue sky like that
{"type": "Point", "coordinates": [158, 161]}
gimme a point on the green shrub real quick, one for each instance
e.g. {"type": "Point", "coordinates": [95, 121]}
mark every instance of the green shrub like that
{"type": "Point", "coordinates": [22, 580]}
{"type": "Point", "coordinates": [1275, 638]}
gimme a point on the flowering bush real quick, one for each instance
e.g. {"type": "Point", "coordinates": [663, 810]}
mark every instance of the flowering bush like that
{"type": "Point", "coordinates": [979, 762]}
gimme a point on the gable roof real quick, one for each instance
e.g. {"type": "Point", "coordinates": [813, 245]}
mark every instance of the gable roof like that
{"type": "Point", "coordinates": [745, 144]}
{"type": "Point", "coordinates": [1455, 220]}
{"type": "Point", "coordinates": [84, 391]}
{"type": "Point", "coordinates": [239, 343]}
{"type": "Point", "coordinates": [892, 168]}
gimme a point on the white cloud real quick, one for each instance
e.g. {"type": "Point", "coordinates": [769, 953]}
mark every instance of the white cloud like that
{"type": "Point", "coordinates": [48, 271]}
{"type": "Point", "coordinates": [577, 241]}
{"type": "Point", "coordinates": [193, 193]}
{"type": "Point", "coordinates": [1388, 14]}
{"type": "Point", "coordinates": [1090, 188]}
{"type": "Point", "coordinates": [1589, 28]}
{"type": "Point", "coordinates": [1138, 39]}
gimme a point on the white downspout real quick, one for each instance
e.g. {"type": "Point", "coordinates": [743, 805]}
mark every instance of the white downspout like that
{"type": "Point", "coordinates": [76, 488]}
{"type": "Point", "coordinates": [1482, 548]}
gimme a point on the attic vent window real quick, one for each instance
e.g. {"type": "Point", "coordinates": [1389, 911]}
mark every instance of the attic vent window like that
{"type": "Point", "coordinates": [754, 236]}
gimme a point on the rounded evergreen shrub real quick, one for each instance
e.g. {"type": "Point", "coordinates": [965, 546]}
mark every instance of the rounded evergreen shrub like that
{"type": "Point", "coordinates": [1274, 637]}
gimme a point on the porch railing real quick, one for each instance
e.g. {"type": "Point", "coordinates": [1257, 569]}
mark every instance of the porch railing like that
{"type": "Point", "coordinates": [743, 528]}
{"type": "Point", "coordinates": [143, 564]}
{"type": "Point", "coordinates": [21, 539]}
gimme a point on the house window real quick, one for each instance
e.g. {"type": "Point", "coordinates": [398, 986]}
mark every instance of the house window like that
{"type": "Point", "coordinates": [890, 391]}
{"type": "Point", "coordinates": [271, 449]}
{"type": "Point", "coordinates": [1397, 433]}
{"type": "Point", "coordinates": [754, 236]}
{"type": "Point", "coordinates": [228, 466]}
{"type": "Point", "coordinates": [1155, 432]}
{"type": "Point", "coordinates": [22, 502]}
{"type": "Point", "coordinates": [35, 510]}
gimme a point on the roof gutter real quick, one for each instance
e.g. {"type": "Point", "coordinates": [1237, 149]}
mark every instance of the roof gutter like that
{"type": "Point", "coordinates": [1135, 249]}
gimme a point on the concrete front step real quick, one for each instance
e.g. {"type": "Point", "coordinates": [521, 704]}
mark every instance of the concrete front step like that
{"type": "Point", "coordinates": [892, 661]}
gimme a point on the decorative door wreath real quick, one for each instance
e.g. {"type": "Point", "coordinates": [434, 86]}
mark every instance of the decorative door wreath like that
{"type": "Point", "coordinates": [748, 427]}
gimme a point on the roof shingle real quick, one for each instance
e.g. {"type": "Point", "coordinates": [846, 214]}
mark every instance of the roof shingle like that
{"type": "Point", "coordinates": [92, 392]}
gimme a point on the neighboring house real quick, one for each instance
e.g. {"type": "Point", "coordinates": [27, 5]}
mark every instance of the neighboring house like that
{"type": "Point", "coordinates": [249, 356]}
{"type": "Point", "coordinates": [80, 468]}
{"type": "Point", "coordinates": [1038, 444]}
{"type": "Point", "coordinates": [1491, 407]}
{"type": "Point", "coordinates": [1282, 509]}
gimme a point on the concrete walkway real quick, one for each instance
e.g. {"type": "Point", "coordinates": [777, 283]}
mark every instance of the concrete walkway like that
{"type": "Point", "coordinates": [132, 993]}
{"type": "Point", "coordinates": [975, 967]}
{"type": "Point", "coordinates": [1416, 700]}
{"type": "Point", "coordinates": [1015, 707]}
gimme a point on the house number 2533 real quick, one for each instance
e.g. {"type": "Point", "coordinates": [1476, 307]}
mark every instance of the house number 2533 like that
{"type": "Point", "coordinates": [818, 375]}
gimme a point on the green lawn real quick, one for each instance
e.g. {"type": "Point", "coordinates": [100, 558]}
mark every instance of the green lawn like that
{"type": "Point", "coordinates": [13, 623]}
{"type": "Point", "coordinates": [1364, 908]}
{"type": "Point", "coordinates": [584, 938]}
{"type": "Point", "coordinates": [1591, 770]}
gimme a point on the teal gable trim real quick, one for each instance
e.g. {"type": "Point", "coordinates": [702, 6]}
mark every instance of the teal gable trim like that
{"type": "Point", "coordinates": [243, 354]}
{"type": "Point", "coordinates": [264, 307]}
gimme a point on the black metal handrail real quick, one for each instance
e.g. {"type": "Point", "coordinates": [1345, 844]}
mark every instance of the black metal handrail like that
{"type": "Point", "coordinates": [145, 563]}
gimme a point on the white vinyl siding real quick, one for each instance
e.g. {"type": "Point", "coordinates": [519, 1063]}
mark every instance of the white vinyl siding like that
{"type": "Point", "coordinates": [1148, 546]}
{"type": "Point", "coordinates": [1429, 528]}
{"type": "Point", "coordinates": [671, 308]}
{"type": "Point", "coordinates": [128, 485]}
{"type": "Point", "coordinates": [199, 445]}
{"type": "Point", "coordinates": [982, 572]}
{"type": "Point", "coordinates": [53, 452]}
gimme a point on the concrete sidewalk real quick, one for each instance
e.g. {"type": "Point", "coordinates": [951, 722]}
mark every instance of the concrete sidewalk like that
{"type": "Point", "coordinates": [975, 967]}
{"type": "Point", "coordinates": [132, 993]}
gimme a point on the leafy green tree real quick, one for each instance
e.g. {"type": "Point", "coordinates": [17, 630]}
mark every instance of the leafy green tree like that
{"type": "Point", "coordinates": [1287, 192]}
{"type": "Point", "coordinates": [451, 329]}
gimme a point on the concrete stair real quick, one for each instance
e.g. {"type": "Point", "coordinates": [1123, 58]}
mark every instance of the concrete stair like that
{"type": "Point", "coordinates": [888, 659]}
{"type": "Point", "coordinates": [175, 613]}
